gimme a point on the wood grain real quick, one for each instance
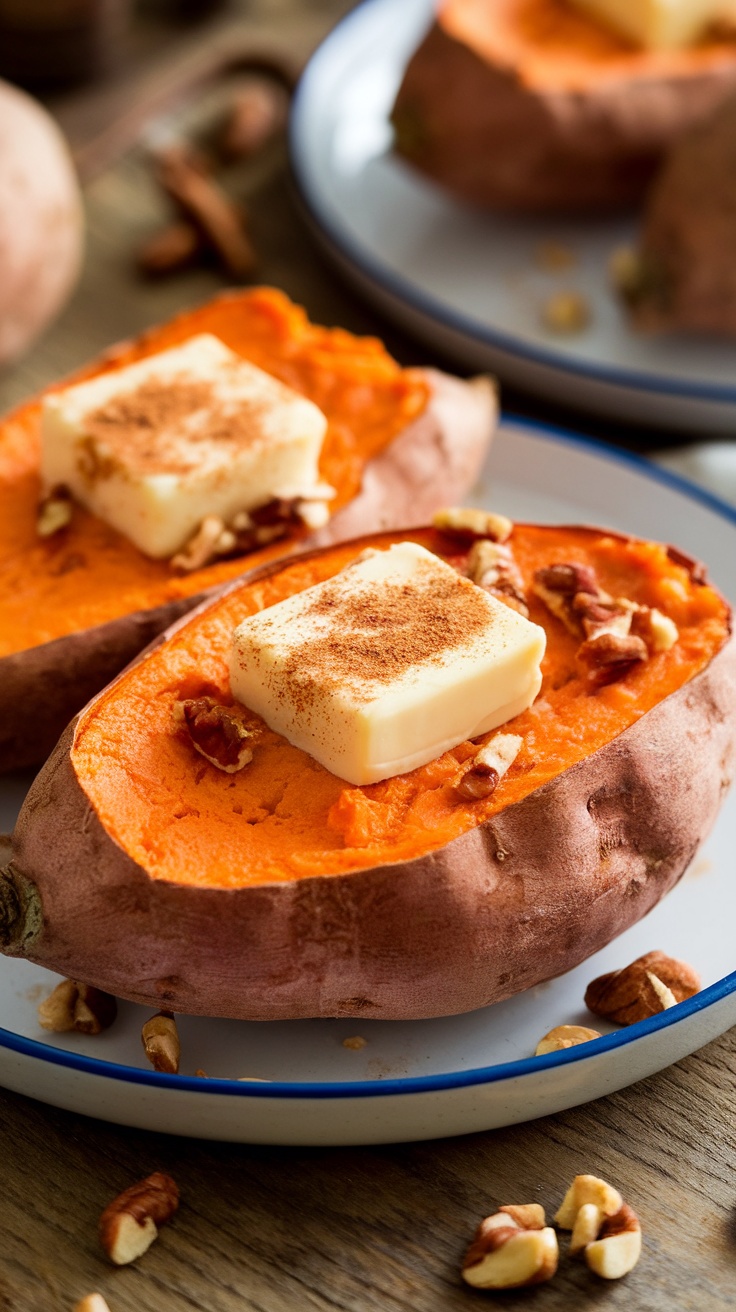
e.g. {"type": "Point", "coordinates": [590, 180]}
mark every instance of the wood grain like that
{"type": "Point", "coordinates": [375, 1229]}
{"type": "Point", "coordinates": [363, 1230]}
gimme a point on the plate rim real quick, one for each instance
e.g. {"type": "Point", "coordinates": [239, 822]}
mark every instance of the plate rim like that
{"type": "Point", "coordinates": [445, 1082]}
{"type": "Point", "coordinates": [425, 303]}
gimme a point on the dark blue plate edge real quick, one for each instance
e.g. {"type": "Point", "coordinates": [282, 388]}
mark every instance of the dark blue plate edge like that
{"type": "Point", "coordinates": [424, 303]}
{"type": "Point", "coordinates": [456, 1079]}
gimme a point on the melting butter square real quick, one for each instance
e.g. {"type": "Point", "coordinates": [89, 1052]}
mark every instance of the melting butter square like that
{"type": "Point", "coordinates": [658, 24]}
{"type": "Point", "coordinates": [155, 447]}
{"type": "Point", "coordinates": [387, 665]}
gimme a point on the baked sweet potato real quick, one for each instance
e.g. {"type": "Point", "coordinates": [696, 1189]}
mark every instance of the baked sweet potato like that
{"type": "Point", "coordinates": [528, 105]}
{"type": "Point", "coordinates": [281, 891]}
{"type": "Point", "coordinates": [683, 279]}
{"type": "Point", "coordinates": [76, 607]}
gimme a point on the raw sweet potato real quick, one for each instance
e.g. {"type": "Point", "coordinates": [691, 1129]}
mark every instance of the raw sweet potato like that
{"type": "Point", "coordinates": [76, 607]}
{"type": "Point", "coordinates": [281, 891]}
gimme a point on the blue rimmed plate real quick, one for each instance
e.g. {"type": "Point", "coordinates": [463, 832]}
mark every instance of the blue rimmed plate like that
{"type": "Point", "coordinates": [427, 1079]}
{"type": "Point", "coordinates": [469, 282]}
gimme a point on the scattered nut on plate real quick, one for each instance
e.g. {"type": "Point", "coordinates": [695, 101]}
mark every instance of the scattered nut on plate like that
{"type": "Point", "coordinates": [130, 1223]}
{"type": "Point", "coordinates": [650, 985]}
{"type": "Point", "coordinates": [564, 1036]}
{"type": "Point", "coordinates": [73, 1006]}
{"type": "Point", "coordinates": [604, 1228]}
{"type": "Point", "coordinates": [160, 1038]}
{"type": "Point", "coordinates": [512, 1249]}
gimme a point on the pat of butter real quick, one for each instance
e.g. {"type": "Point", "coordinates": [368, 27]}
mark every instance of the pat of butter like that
{"type": "Point", "coordinates": [157, 446]}
{"type": "Point", "coordinates": [387, 665]}
{"type": "Point", "coordinates": [657, 24]}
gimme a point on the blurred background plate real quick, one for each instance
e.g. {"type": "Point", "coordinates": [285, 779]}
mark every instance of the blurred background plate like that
{"type": "Point", "coordinates": [469, 283]}
{"type": "Point", "coordinates": [426, 1079]}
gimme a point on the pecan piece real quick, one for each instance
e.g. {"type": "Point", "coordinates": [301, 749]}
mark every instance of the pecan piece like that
{"type": "Point", "coordinates": [617, 1249]}
{"type": "Point", "coordinates": [130, 1223]}
{"type": "Point", "coordinates": [257, 113]}
{"type": "Point", "coordinates": [160, 1038]}
{"type": "Point", "coordinates": [170, 249]}
{"type": "Point", "coordinates": [468, 522]}
{"type": "Point", "coordinates": [609, 657]}
{"type": "Point", "coordinates": [491, 565]}
{"type": "Point", "coordinates": [217, 732]}
{"type": "Point", "coordinates": [212, 539]}
{"type": "Point", "coordinates": [203, 201]}
{"type": "Point", "coordinates": [54, 512]}
{"type": "Point", "coordinates": [80, 1007]}
{"type": "Point", "coordinates": [488, 767]}
{"type": "Point", "coordinates": [511, 1250]}
{"type": "Point", "coordinates": [636, 992]}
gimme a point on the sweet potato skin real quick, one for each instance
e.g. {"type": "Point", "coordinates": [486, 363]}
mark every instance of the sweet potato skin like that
{"type": "Point", "coordinates": [436, 459]}
{"type": "Point", "coordinates": [481, 132]}
{"type": "Point", "coordinates": [520, 899]}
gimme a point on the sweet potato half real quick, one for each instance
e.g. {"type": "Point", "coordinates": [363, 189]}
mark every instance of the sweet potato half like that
{"type": "Point", "coordinates": [76, 607]}
{"type": "Point", "coordinates": [281, 891]}
{"type": "Point", "coordinates": [528, 105]}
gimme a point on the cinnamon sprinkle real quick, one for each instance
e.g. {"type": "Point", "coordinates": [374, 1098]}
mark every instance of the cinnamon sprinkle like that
{"type": "Point", "coordinates": [376, 636]}
{"type": "Point", "coordinates": [160, 426]}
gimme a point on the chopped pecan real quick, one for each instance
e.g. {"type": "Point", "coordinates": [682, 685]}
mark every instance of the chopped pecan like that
{"type": "Point", "coordinates": [170, 249]}
{"type": "Point", "coordinates": [203, 201]}
{"type": "Point", "coordinates": [512, 1249]}
{"type": "Point", "coordinates": [217, 732]}
{"type": "Point", "coordinates": [478, 781]}
{"type": "Point", "coordinates": [212, 539]}
{"type": "Point", "coordinates": [54, 512]}
{"type": "Point", "coordinates": [469, 522]}
{"type": "Point", "coordinates": [492, 566]}
{"type": "Point", "coordinates": [130, 1223]}
{"type": "Point", "coordinates": [80, 1007]}
{"type": "Point", "coordinates": [609, 657]}
{"type": "Point", "coordinates": [658, 631]}
{"type": "Point", "coordinates": [257, 113]}
{"type": "Point", "coordinates": [488, 766]}
{"type": "Point", "coordinates": [636, 992]}
{"type": "Point", "coordinates": [160, 1038]}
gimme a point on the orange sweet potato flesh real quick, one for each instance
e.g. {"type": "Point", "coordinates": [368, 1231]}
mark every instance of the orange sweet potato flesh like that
{"type": "Point", "coordinates": [527, 105]}
{"type": "Point", "coordinates": [75, 608]}
{"type": "Point", "coordinates": [553, 46]}
{"type": "Point", "coordinates": [89, 573]}
{"type": "Point", "coordinates": [282, 892]}
{"type": "Point", "coordinates": [285, 817]}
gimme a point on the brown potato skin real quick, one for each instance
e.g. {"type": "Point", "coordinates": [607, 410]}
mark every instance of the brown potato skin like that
{"type": "Point", "coordinates": [479, 131]}
{"type": "Point", "coordinates": [434, 461]}
{"type": "Point", "coordinates": [518, 900]}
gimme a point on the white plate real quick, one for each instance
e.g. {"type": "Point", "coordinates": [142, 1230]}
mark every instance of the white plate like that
{"type": "Point", "coordinates": [426, 1079]}
{"type": "Point", "coordinates": [466, 281]}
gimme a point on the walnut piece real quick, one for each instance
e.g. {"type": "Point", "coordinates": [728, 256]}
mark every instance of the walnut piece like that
{"type": "Point", "coordinates": [130, 1223]}
{"type": "Point", "coordinates": [512, 1249]}
{"type": "Point", "coordinates": [648, 986]}
{"type": "Point", "coordinates": [564, 1036]}
{"type": "Point", "coordinates": [160, 1038]}
{"type": "Point", "coordinates": [80, 1007]}
{"type": "Point", "coordinates": [219, 733]}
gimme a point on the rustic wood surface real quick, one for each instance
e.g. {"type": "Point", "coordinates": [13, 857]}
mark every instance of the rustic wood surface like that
{"type": "Point", "coordinates": [280, 1230]}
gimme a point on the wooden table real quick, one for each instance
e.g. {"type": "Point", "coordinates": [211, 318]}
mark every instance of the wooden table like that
{"type": "Point", "coordinates": [281, 1230]}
